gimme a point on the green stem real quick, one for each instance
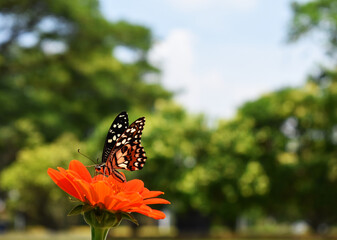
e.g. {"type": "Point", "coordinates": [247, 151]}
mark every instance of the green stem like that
{"type": "Point", "coordinates": [99, 233]}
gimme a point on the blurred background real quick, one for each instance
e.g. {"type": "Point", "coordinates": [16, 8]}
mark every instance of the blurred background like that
{"type": "Point", "coordinates": [239, 95]}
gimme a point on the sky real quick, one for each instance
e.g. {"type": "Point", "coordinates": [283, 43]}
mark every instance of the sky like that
{"type": "Point", "coordinates": [218, 54]}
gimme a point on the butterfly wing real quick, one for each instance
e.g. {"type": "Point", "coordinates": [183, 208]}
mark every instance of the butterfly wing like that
{"type": "Point", "coordinates": [118, 127]}
{"type": "Point", "coordinates": [128, 152]}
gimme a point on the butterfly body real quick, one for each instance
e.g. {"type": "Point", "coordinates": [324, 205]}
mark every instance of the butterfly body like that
{"type": "Point", "coordinates": [122, 148]}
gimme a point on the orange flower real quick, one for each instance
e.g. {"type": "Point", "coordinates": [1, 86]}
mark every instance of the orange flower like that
{"type": "Point", "coordinates": [106, 192]}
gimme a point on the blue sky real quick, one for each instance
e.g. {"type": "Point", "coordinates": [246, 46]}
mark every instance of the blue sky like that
{"type": "Point", "coordinates": [217, 54]}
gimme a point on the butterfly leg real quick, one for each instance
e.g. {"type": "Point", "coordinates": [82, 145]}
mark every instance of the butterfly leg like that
{"type": "Point", "coordinates": [119, 176]}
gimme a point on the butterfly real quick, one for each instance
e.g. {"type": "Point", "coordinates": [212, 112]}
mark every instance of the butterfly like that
{"type": "Point", "coordinates": [122, 148]}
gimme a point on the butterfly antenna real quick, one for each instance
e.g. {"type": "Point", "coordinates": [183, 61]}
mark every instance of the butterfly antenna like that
{"type": "Point", "coordinates": [78, 150]}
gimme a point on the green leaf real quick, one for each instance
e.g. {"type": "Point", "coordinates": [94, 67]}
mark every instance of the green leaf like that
{"type": "Point", "coordinates": [73, 199]}
{"type": "Point", "coordinates": [76, 210]}
{"type": "Point", "coordinates": [100, 218]}
{"type": "Point", "coordinates": [129, 217]}
{"type": "Point", "coordinates": [87, 208]}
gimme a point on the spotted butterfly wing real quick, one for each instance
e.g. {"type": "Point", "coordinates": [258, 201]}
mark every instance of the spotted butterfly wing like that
{"type": "Point", "coordinates": [126, 152]}
{"type": "Point", "coordinates": [129, 153]}
{"type": "Point", "coordinates": [119, 125]}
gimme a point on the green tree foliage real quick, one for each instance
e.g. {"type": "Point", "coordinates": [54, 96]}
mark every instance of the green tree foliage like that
{"type": "Point", "coordinates": [279, 153]}
{"type": "Point", "coordinates": [315, 16]}
{"type": "Point", "coordinates": [229, 179]}
{"type": "Point", "coordinates": [58, 70]}
{"type": "Point", "coordinates": [30, 189]}
{"type": "Point", "coordinates": [61, 91]}
{"type": "Point", "coordinates": [296, 140]}
{"type": "Point", "coordinates": [312, 118]}
{"type": "Point", "coordinates": [59, 78]}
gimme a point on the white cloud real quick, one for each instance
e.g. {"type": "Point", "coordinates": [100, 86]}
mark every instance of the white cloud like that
{"type": "Point", "coordinates": [175, 56]}
{"type": "Point", "coordinates": [218, 82]}
{"type": "Point", "coordinates": [206, 92]}
{"type": "Point", "coordinates": [218, 90]}
{"type": "Point", "coordinates": [192, 5]}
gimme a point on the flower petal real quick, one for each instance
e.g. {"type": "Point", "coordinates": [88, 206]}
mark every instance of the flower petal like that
{"type": "Point", "coordinates": [145, 210]}
{"type": "Point", "coordinates": [99, 177]}
{"type": "Point", "coordinates": [106, 192]}
{"type": "Point", "coordinates": [150, 194]}
{"type": "Point", "coordinates": [116, 204]}
{"type": "Point", "coordinates": [64, 183]}
{"type": "Point", "coordinates": [156, 201]}
{"type": "Point", "coordinates": [134, 185]}
{"type": "Point", "coordinates": [101, 190]}
{"type": "Point", "coordinates": [131, 199]}
{"type": "Point", "coordinates": [156, 214]}
{"type": "Point", "coordinates": [78, 167]}
{"type": "Point", "coordinates": [86, 191]}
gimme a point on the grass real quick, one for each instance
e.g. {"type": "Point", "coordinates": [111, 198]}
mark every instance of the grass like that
{"type": "Point", "coordinates": [86, 236]}
{"type": "Point", "coordinates": [79, 233]}
{"type": "Point", "coordinates": [144, 232]}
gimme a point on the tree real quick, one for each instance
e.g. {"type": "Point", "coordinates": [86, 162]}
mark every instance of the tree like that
{"type": "Point", "coordinates": [30, 189]}
{"type": "Point", "coordinates": [58, 70]}
{"type": "Point", "coordinates": [229, 180]}
{"type": "Point", "coordinates": [315, 16]}
{"type": "Point", "coordinates": [295, 131]}
{"type": "Point", "coordinates": [59, 78]}
{"type": "Point", "coordinates": [311, 123]}
{"type": "Point", "coordinates": [277, 155]}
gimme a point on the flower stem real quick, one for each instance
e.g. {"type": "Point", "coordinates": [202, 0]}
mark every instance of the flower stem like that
{"type": "Point", "coordinates": [99, 233]}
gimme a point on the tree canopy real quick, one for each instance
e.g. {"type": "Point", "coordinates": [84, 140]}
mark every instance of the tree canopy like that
{"type": "Point", "coordinates": [61, 86]}
{"type": "Point", "coordinates": [59, 74]}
